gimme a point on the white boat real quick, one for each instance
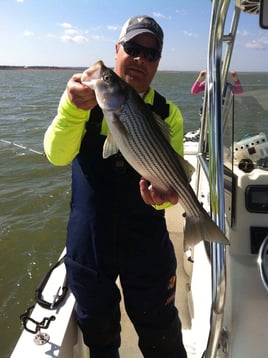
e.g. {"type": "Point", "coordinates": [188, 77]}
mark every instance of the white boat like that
{"type": "Point", "coordinates": [223, 294]}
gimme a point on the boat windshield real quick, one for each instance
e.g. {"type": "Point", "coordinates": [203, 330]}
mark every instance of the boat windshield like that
{"type": "Point", "coordinates": [245, 118]}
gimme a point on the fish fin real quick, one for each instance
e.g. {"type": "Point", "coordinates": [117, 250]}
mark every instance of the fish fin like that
{"type": "Point", "coordinates": [163, 126]}
{"type": "Point", "coordinates": [187, 167]}
{"type": "Point", "coordinates": [202, 228]}
{"type": "Point", "coordinates": [109, 147]}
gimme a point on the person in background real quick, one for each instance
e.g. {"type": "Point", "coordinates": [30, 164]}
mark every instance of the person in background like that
{"type": "Point", "coordinates": [117, 226]}
{"type": "Point", "coordinates": [200, 83]}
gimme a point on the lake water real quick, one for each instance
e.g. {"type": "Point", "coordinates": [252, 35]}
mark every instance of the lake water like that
{"type": "Point", "coordinates": [34, 195]}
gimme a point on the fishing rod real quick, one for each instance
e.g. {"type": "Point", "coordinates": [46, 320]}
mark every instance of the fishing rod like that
{"type": "Point", "coordinates": [22, 147]}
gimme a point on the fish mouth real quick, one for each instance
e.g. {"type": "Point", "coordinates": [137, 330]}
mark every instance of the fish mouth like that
{"type": "Point", "coordinates": [92, 75]}
{"type": "Point", "coordinates": [89, 82]}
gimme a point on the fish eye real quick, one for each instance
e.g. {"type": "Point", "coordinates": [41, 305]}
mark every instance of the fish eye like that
{"type": "Point", "coordinates": [106, 77]}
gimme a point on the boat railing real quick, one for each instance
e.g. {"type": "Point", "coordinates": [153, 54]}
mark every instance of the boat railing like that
{"type": "Point", "coordinates": [218, 108]}
{"type": "Point", "coordinates": [211, 156]}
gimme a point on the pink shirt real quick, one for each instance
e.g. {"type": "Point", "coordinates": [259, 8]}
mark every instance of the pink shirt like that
{"type": "Point", "coordinates": [200, 87]}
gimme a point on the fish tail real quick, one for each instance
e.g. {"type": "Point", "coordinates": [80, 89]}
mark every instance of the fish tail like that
{"type": "Point", "coordinates": [202, 228]}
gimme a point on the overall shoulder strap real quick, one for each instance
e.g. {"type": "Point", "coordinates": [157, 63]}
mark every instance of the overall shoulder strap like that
{"type": "Point", "coordinates": [160, 106]}
{"type": "Point", "coordinates": [95, 118]}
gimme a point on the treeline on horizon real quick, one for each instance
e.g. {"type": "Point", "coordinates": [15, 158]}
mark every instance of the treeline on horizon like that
{"type": "Point", "coordinates": [7, 67]}
{"type": "Point", "coordinates": [79, 68]}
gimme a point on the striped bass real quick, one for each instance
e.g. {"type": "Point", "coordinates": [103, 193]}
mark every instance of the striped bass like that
{"type": "Point", "coordinates": [143, 140]}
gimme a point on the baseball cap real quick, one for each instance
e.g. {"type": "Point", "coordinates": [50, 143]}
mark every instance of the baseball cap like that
{"type": "Point", "coordinates": [137, 25]}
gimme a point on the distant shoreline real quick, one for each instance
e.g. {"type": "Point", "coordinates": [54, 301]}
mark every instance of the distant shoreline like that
{"type": "Point", "coordinates": [58, 68]}
{"type": "Point", "coordinates": [27, 68]}
{"type": "Point", "coordinates": [81, 69]}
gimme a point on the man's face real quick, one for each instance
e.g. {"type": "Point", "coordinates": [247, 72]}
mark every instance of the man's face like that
{"type": "Point", "coordinates": [137, 71]}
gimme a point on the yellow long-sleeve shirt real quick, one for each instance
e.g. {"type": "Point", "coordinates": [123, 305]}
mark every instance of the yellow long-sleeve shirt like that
{"type": "Point", "coordinates": [63, 137]}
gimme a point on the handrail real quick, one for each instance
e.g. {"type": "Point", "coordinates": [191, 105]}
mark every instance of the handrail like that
{"type": "Point", "coordinates": [216, 168]}
{"type": "Point", "coordinates": [211, 143]}
{"type": "Point", "coordinates": [202, 158]}
{"type": "Point", "coordinates": [229, 39]}
{"type": "Point", "coordinates": [263, 262]}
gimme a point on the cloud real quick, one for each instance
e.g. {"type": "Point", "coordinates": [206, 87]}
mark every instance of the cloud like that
{"type": "Point", "coordinates": [66, 25]}
{"type": "Point", "coordinates": [189, 34]}
{"type": "Point", "coordinates": [252, 40]}
{"type": "Point", "coordinates": [79, 39]}
{"type": "Point", "coordinates": [180, 12]}
{"type": "Point", "coordinates": [113, 28]}
{"type": "Point", "coordinates": [27, 33]}
{"type": "Point", "coordinates": [243, 33]}
{"type": "Point", "coordinates": [255, 44]}
{"type": "Point", "coordinates": [97, 37]}
{"type": "Point", "coordinates": [70, 34]}
{"type": "Point", "coordinates": [159, 15]}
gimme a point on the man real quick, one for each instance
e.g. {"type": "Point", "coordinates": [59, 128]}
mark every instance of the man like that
{"type": "Point", "coordinates": [117, 225]}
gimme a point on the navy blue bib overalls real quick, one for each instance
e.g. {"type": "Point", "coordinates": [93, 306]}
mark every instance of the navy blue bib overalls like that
{"type": "Point", "coordinates": [112, 232]}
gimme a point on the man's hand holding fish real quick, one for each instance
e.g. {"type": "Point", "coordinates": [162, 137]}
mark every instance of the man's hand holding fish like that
{"type": "Point", "coordinates": [151, 196]}
{"type": "Point", "coordinates": [82, 96]}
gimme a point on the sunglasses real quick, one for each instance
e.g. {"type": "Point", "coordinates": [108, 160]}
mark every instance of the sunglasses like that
{"type": "Point", "coordinates": [135, 50]}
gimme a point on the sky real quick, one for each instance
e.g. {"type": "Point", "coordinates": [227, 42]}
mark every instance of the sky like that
{"type": "Point", "coordinates": [81, 32]}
